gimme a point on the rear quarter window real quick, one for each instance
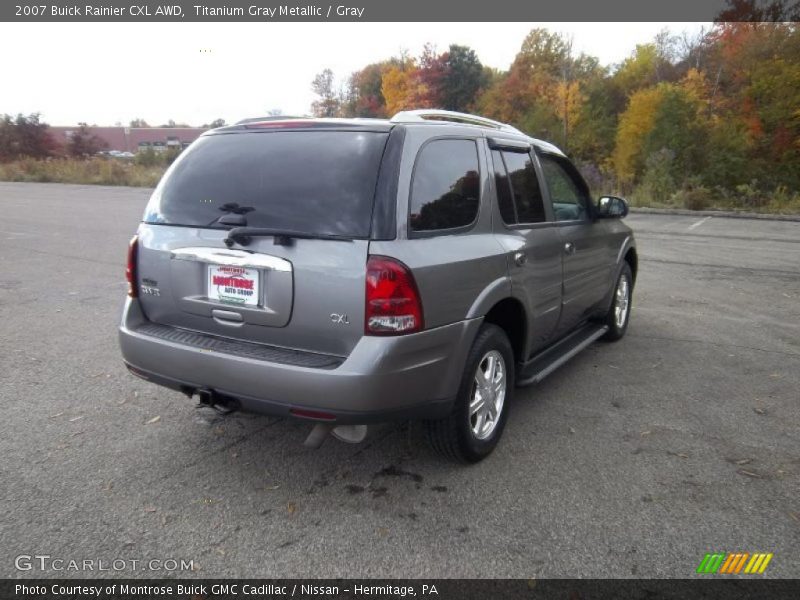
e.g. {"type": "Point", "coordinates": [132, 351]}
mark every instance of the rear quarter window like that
{"type": "Point", "coordinates": [445, 191]}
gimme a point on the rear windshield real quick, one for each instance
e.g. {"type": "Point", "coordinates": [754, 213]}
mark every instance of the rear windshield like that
{"type": "Point", "coordinates": [320, 182]}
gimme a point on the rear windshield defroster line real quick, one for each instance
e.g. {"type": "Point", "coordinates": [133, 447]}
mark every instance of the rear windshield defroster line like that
{"type": "Point", "coordinates": [316, 182]}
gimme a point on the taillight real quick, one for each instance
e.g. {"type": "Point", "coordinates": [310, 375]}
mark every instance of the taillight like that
{"type": "Point", "coordinates": [393, 303]}
{"type": "Point", "coordinates": [130, 270]}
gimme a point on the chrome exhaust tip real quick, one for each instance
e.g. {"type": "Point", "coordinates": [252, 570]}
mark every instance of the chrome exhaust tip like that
{"type": "Point", "coordinates": [351, 434]}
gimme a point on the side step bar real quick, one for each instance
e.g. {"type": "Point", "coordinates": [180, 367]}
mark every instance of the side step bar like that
{"type": "Point", "coordinates": [547, 361]}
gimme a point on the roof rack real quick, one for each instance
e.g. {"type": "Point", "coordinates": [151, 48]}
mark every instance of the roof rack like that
{"type": "Point", "coordinates": [431, 114]}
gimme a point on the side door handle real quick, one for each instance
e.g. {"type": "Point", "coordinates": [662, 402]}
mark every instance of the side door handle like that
{"type": "Point", "coordinates": [520, 258]}
{"type": "Point", "coordinates": [569, 248]}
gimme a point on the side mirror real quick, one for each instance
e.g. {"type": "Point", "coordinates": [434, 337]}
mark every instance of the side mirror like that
{"type": "Point", "coordinates": [612, 207]}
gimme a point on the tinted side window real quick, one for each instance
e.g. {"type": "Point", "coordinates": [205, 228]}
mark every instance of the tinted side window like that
{"type": "Point", "coordinates": [567, 193]}
{"type": "Point", "coordinates": [507, 209]}
{"type": "Point", "coordinates": [518, 192]}
{"type": "Point", "coordinates": [525, 186]}
{"type": "Point", "coordinates": [445, 193]}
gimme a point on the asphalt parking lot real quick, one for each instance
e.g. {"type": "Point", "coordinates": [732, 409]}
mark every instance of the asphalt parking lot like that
{"type": "Point", "coordinates": [633, 460]}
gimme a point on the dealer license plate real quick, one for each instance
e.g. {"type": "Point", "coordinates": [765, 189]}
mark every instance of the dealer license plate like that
{"type": "Point", "coordinates": [234, 285]}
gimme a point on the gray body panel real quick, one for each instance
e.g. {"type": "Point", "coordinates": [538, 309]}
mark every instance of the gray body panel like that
{"type": "Point", "coordinates": [314, 301]}
{"type": "Point", "coordinates": [381, 377]}
{"type": "Point", "coordinates": [327, 277]}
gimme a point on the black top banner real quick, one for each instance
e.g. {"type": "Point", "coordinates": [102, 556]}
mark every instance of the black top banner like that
{"type": "Point", "coordinates": [405, 11]}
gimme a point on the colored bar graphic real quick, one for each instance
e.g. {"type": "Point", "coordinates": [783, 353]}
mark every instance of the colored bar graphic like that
{"type": "Point", "coordinates": [732, 563]}
{"type": "Point", "coordinates": [711, 562]}
{"type": "Point", "coordinates": [701, 568]}
{"type": "Point", "coordinates": [740, 564]}
{"type": "Point", "coordinates": [755, 562]}
{"type": "Point", "coordinates": [727, 564]}
{"type": "Point", "coordinates": [764, 564]}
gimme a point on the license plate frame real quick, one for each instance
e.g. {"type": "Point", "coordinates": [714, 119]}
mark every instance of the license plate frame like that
{"type": "Point", "coordinates": [234, 286]}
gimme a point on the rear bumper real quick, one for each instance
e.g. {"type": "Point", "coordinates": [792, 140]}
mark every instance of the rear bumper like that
{"type": "Point", "coordinates": [383, 378]}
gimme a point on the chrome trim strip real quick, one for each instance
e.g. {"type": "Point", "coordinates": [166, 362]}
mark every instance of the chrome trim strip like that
{"type": "Point", "coordinates": [623, 248]}
{"type": "Point", "coordinates": [568, 355]}
{"type": "Point", "coordinates": [233, 258]}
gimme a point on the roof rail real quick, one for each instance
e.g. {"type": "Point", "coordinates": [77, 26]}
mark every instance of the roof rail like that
{"type": "Point", "coordinates": [431, 114]}
{"type": "Point", "coordinates": [269, 118]}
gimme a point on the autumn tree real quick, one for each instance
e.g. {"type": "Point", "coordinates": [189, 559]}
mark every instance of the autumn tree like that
{"type": "Point", "coordinates": [25, 136]}
{"type": "Point", "coordinates": [365, 96]}
{"type": "Point", "coordinates": [704, 113]}
{"type": "Point", "coordinates": [82, 142]}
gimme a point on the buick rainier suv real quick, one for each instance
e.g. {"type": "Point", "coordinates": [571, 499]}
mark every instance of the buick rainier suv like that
{"type": "Point", "coordinates": [355, 271]}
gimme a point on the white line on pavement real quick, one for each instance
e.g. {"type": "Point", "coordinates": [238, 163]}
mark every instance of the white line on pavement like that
{"type": "Point", "coordinates": [700, 222]}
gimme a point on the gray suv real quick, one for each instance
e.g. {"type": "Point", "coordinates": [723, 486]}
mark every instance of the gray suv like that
{"type": "Point", "coordinates": [353, 271]}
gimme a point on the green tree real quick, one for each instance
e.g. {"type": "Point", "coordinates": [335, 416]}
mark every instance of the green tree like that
{"type": "Point", "coordinates": [329, 103]}
{"type": "Point", "coordinates": [462, 78]}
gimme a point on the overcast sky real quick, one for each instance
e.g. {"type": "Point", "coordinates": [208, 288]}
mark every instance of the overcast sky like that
{"type": "Point", "coordinates": [103, 73]}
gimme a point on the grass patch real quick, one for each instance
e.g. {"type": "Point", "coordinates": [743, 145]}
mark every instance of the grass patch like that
{"type": "Point", "coordinates": [146, 171]}
{"type": "Point", "coordinates": [744, 198]}
{"type": "Point", "coordinates": [93, 171]}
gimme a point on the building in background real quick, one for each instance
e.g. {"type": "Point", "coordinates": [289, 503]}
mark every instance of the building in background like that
{"type": "Point", "coordinates": [135, 139]}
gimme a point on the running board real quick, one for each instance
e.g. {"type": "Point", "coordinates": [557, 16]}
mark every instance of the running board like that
{"type": "Point", "coordinates": [544, 363]}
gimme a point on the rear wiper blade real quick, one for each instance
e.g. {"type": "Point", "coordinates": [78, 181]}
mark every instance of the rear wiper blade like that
{"type": "Point", "coordinates": [283, 237]}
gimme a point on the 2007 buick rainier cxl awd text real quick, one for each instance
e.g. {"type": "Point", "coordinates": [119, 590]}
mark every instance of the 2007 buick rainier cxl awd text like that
{"type": "Point", "coordinates": [353, 271]}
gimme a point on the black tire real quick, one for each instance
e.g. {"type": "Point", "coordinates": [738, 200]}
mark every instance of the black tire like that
{"type": "Point", "coordinates": [453, 436]}
{"type": "Point", "coordinates": [616, 330]}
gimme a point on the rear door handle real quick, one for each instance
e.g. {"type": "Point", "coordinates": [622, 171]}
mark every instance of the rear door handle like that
{"type": "Point", "coordinates": [227, 317]}
{"type": "Point", "coordinates": [569, 248]}
{"type": "Point", "coordinates": [520, 258]}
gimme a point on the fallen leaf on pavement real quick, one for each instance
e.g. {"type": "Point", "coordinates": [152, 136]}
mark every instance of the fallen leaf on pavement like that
{"type": "Point", "coordinates": [678, 454]}
{"type": "Point", "coordinates": [749, 474]}
{"type": "Point", "coordinates": [291, 508]}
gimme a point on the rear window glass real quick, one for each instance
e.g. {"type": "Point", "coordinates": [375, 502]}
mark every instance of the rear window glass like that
{"type": "Point", "coordinates": [445, 193]}
{"type": "Point", "coordinates": [320, 182]}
